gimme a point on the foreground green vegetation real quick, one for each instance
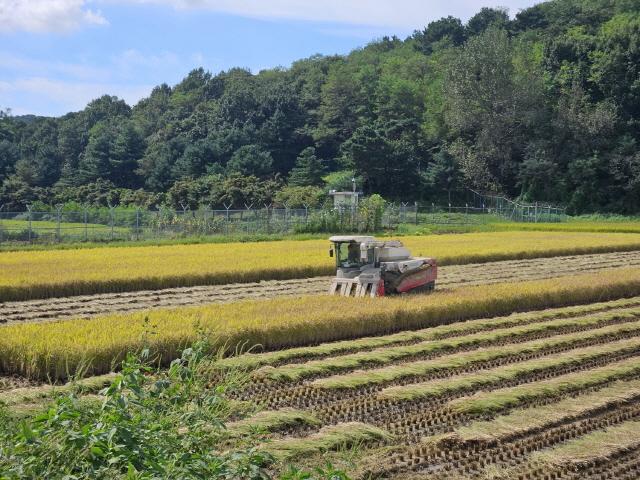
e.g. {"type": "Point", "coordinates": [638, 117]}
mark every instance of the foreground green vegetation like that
{"type": "Point", "coordinates": [54, 350]}
{"type": "Point", "coordinates": [148, 424]}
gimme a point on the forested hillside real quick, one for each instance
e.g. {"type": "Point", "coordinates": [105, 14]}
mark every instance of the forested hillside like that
{"type": "Point", "coordinates": [544, 106]}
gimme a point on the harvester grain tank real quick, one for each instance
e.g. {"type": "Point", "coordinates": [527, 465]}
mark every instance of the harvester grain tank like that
{"type": "Point", "coordinates": [369, 267]}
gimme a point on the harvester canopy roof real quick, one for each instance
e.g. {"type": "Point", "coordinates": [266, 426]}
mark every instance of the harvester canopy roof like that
{"type": "Point", "coordinates": [351, 238]}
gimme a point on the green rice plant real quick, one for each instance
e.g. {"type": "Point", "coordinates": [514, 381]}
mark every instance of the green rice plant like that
{"type": "Point", "coordinates": [487, 402]}
{"type": "Point", "coordinates": [511, 372]}
{"type": "Point", "coordinates": [255, 360]}
{"type": "Point", "coordinates": [271, 421]}
{"type": "Point", "coordinates": [327, 438]}
{"type": "Point", "coordinates": [598, 445]}
{"type": "Point", "coordinates": [465, 359]}
{"type": "Point", "coordinates": [524, 420]}
{"type": "Point", "coordinates": [296, 371]}
{"type": "Point", "coordinates": [576, 224]}
{"type": "Point", "coordinates": [42, 393]}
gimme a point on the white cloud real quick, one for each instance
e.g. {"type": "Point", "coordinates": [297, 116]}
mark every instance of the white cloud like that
{"type": "Point", "coordinates": [42, 16]}
{"type": "Point", "coordinates": [388, 13]}
{"type": "Point", "coordinates": [132, 59]}
{"type": "Point", "coordinates": [26, 65]}
{"type": "Point", "coordinates": [67, 95]}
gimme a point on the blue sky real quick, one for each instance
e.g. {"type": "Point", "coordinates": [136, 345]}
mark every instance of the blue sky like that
{"type": "Point", "coordinates": [56, 55]}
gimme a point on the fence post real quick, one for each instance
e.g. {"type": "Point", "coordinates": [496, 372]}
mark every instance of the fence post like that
{"type": "Point", "coordinates": [266, 207]}
{"type": "Point", "coordinates": [416, 207]}
{"type": "Point", "coordinates": [1, 229]}
{"type": "Point", "coordinates": [184, 216]}
{"type": "Point", "coordinates": [58, 215]}
{"type": "Point", "coordinates": [30, 219]}
{"type": "Point", "coordinates": [205, 230]}
{"type": "Point", "coordinates": [111, 219]}
{"type": "Point", "coordinates": [86, 225]}
{"type": "Point", "coordinates": [226, 223]}
{"type": "Point", "coordinates": [248, 221]}
{"type": "Point", "coordinates": [286, 218]}
{"type": "Point", "coordinates": [137, 224]}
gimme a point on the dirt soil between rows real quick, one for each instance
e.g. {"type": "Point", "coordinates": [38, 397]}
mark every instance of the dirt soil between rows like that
{"type": "Point", "coordinates": [453, 276]}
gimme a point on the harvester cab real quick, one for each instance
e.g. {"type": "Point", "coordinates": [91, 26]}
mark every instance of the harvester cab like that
{"type": "Point", "coordinates": [369, 267]}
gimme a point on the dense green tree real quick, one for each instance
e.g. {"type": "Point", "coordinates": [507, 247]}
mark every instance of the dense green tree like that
{"type": "Point", "coordinates": [197, 158]}
{"type": "Point", "coordinates": [251, 160]}
{"type": "Point", "coordinates": [491, 106]}
{"type": "Point", "coordinates": [443, 175]}
{"type": "Point", "coordinates": [386, 166]}
{"type": "Point", "coordinates": [9, 155]}
{"type": "Point", "coordinates": [300, 196]}
{"type": "Point", "coordinates": [485, 18]}
{"type": "Point", "coordinates": [615, 68]}
{"type": "Point", "coordinates": [112, 153]}
{"type": "Point", "coordinates": [241, 191]}
{"type": "Point", "coordinates": [309, 169]}
{"type": "Point", "coordinates": [445, 32]}
{"type": "Point", "coordinates": [545, 107]}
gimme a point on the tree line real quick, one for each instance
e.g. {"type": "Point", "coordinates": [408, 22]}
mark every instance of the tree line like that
{"type": "Point", "coordinates": [541, 107]}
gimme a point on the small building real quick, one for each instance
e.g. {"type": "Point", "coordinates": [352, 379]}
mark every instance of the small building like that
{"type": "Point", "coordinates": [345, 199]}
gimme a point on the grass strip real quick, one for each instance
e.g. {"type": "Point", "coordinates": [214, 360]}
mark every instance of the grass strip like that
{"type": "Point", "coordinates": [464, 359]}
{"type": "Point", "coordinates": [333, 437]}
{"type": "Point", "coordinates": [599, 445]}
{"type": "Point", "coordinates": [255, 360]}
{"type": "Point", "coordinates": [27, 410]}
{"type": "Point", "coordinates": [271, 421]}
{"type": "Point", "coordinates": [54, 273]}
{"type": "Point", "coordinates": [17, 396]}
{"type": "Point", "coordinates": [510, 372]}
{"type": "Point", "coordinates": [51, 350]}
{"type": "Point", "coordinates": [537, 418]}
{"type": "Point", "coordinates": [501, 399]}
{"type": "Point", "coordinates": [571, 226]}
{"type": "Point", "coordinates": [293, 372]}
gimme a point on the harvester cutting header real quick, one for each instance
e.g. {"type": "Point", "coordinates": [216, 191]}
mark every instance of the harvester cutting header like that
{"type": "Point", "coordinates": [369, 267]}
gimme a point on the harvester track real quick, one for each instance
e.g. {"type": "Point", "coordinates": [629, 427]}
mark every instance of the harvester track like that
{"type": "Point", "coordinates": [453, 276]}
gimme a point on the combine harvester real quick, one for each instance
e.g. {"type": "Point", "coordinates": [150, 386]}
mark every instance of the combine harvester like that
{"type": "Point", "coordinates": [369, 267]}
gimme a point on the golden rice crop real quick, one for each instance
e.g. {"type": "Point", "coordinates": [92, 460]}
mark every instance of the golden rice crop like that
{"type": "Point", "coordinates": [59, 348]}
{"type": "Point", "coordinates": [40, 274]}
{"type": "Point", "coordinates": [572, 226]}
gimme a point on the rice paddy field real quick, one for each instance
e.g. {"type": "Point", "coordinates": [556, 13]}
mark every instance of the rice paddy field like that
{"type": "Point", "coordinates": [524, 364]}
{"type": "Point", "coordinates": [45, 274]}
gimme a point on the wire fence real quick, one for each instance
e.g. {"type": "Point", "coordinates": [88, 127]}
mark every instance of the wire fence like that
{"type": "Point", "coordinates": [60, 225]}
{"type": "Point", "coordinates": [517, 211]}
